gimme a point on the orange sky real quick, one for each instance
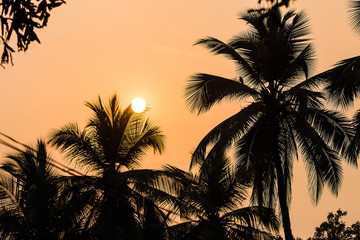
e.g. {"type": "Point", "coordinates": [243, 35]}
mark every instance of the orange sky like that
{"type": "Point", "coordinates": [144, 49]}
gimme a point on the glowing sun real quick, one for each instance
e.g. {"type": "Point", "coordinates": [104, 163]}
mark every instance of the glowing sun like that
{"type": "Point", "coordinates": [138, 105]}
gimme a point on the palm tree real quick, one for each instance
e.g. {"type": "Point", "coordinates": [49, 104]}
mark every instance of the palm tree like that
{"type": "Point", "coordinates": [211, 201]}
{"type": "Point", "coordinates": [111, 147]}
{"type": "Point", "coordinates": [36, 202]}
{"type": "Point", "coordinates": [282, 112]}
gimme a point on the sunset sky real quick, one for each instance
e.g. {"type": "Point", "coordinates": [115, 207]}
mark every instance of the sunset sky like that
{"type": "Point", "coordinates": [145, 49]}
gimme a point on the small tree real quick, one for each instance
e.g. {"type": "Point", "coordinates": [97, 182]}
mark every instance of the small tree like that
{"type": "Point", "coordinates": [335, 229]}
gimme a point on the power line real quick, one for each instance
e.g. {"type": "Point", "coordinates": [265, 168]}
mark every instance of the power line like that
{"type": "Point", "coordinates": [61, 167]}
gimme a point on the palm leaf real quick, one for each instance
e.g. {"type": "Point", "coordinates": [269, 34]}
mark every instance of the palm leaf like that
{"type": "Point", "coordinates": [246, 232]}
{"type": "Point", "coordinates": [343, 82]}
{"type": "Point", "coordinates": [301, 98]}
{"type": "Point", "coordinates": [204, 90]}
{"type": "Point", "coordinates": [321, 162]}
{"type": "Point", "coordinates": [178, 231]}
{"type": "Point", "coordinates": [77, 144]}
{"type": "Point", "coordinates": [253, 153]}
{"type": "Point", "coordinates": [255, 21]}
{"type": "Point", "coordinates": [299, 28]}
{"type": "Point", "coordinates": [354, 15]}
{"type": "Point", "coordinates": [9, 194]}
{"type": "Point", "coordinates": [230, 129]}
{"type": "Point", "coordinates": [302, 64]}
{"type": "Point", "coordinates": [354, 148]}
{"type": "Point", "coordinates": [139, 137]}
{"type": "Point", "coordinates": [333, 127]}
{"type": "Point", "coordinates": [255, 216]}
{"type": "Point", "coordinates": [218, 47]}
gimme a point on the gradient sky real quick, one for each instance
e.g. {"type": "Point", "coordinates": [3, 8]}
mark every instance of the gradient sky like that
{"type": "Point", "coordinates": [145, 49]}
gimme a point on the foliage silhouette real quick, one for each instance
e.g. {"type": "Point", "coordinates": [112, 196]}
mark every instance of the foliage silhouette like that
{"type": "Point", "coordinates": [36, 203]}
{"type": "Point", "coordinates": [111, 147]}
{"type": "Point", "coordinates": [277, 3]}
{"type": "Point", "coordinates": [210, 202]}
{"type": "Point", "coordinates": [343, 84]}
{"type": "Point", "coordinates": [354, 15]}
{"type": "Point", "coordinates": [21, 18]}
{"type": "Point", "coordinates": [335, 229]}
{"type": "Point", "coordinates": [342, 88]}
{"type": "Point", "coordinates": [282, 112]}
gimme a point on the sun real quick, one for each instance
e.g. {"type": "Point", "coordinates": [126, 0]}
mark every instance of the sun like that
{"type": "Point", "coordinates": [138, 105]}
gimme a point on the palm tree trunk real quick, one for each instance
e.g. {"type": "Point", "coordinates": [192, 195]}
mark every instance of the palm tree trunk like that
{"type": "Point", "coordinates": [283, 201]}
{"type": "Point", "coordinates": [281, 181]}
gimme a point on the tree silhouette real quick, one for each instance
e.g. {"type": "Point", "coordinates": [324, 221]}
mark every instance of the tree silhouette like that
{"type": "Point", "coordinates": [210, 201]}
{"type": "Point", "coordinates": [282, 112]}
{"type": "Point", "coordinates": [35, 202]}
{"type": "Point", "coordinates": [111, 146]}
{"type": "Point", "coordinates": [21, 18]}
{"type": "Point", "coordinates": [335, 229]}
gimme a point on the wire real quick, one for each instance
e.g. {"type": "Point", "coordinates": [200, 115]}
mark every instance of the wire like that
{"type": "Point", "coordinates": [61, 167]}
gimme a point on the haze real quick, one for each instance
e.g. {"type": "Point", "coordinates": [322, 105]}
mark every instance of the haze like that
{"type": "Point", "coordinates": [145, 49]}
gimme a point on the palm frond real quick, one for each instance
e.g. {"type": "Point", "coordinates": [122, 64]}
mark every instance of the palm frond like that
{"type": "Point", "coordinates": [178, 231]}
{"type": "Point", "coordinates": [141, 177]}
{"type": "Point", "coordinates": [353, 150]}
{"type": "Point", "coordinates": [244, 232]}
{"type": "Point", "coordinates": [288, 152]}
{"type": "Point", "coordinates": [255, 216]}
{"type": "Point", "coordinates": [30, 196]}
{"type": "Point", "coordinates": [76, 144]}
{"type": "Point", "coordinates": [321, 162]}
{"type": "Point", "coordinates": [333, 127]}
{"type": "Point", "coordinates": [204, 90]}
{"type": "Point", "coordinates": [253, 153]}
{"type": "Point", "coordinates": [228, 130]}
{"type": "Point", "coordinates": [299, 28]}
{"type": "Point", "coordinates": [302, 64]}
{"type": "Point", "coordinates": [354, 15]}
{"type": "Point", "coordinates": [188, 203]}
{"type": "Point", "coordinates": [9, 194]}
{"type": "Point", "coordinates": [73, 206]}
{"type": "Point", "coordinates": [218, 47]}
{"type": "Point", "coordinates": [288, 15]}
{"type": "Point", "coordinates": [311, 83]}
{"type": "Point", "coordinates": [301, 98]}
{"type": "Point", "coordinates": [13, 226]}
{"type": "Point", "coordinates": [255, 20]}
{"type": "Point", "coordinates": [154, 221]}
{"type": "Point", "coordinates": [139, 137]}
{"type": "Point", "coordinates": [224, 188]}
{"type": "Point", "coordinates": [343, 82]}
{"type": "Point", "coordinates": [252, 145]}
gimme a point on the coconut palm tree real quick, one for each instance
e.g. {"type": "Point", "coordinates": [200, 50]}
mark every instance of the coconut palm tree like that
{"type": "Point", "coordinates": [36, 202]}
{"type": "Point", "coordinates": [282, 112]}
{"type": "Point", "coordinates": [111, 146]}
{"type": "Point", "coordinates": [210, 202]}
